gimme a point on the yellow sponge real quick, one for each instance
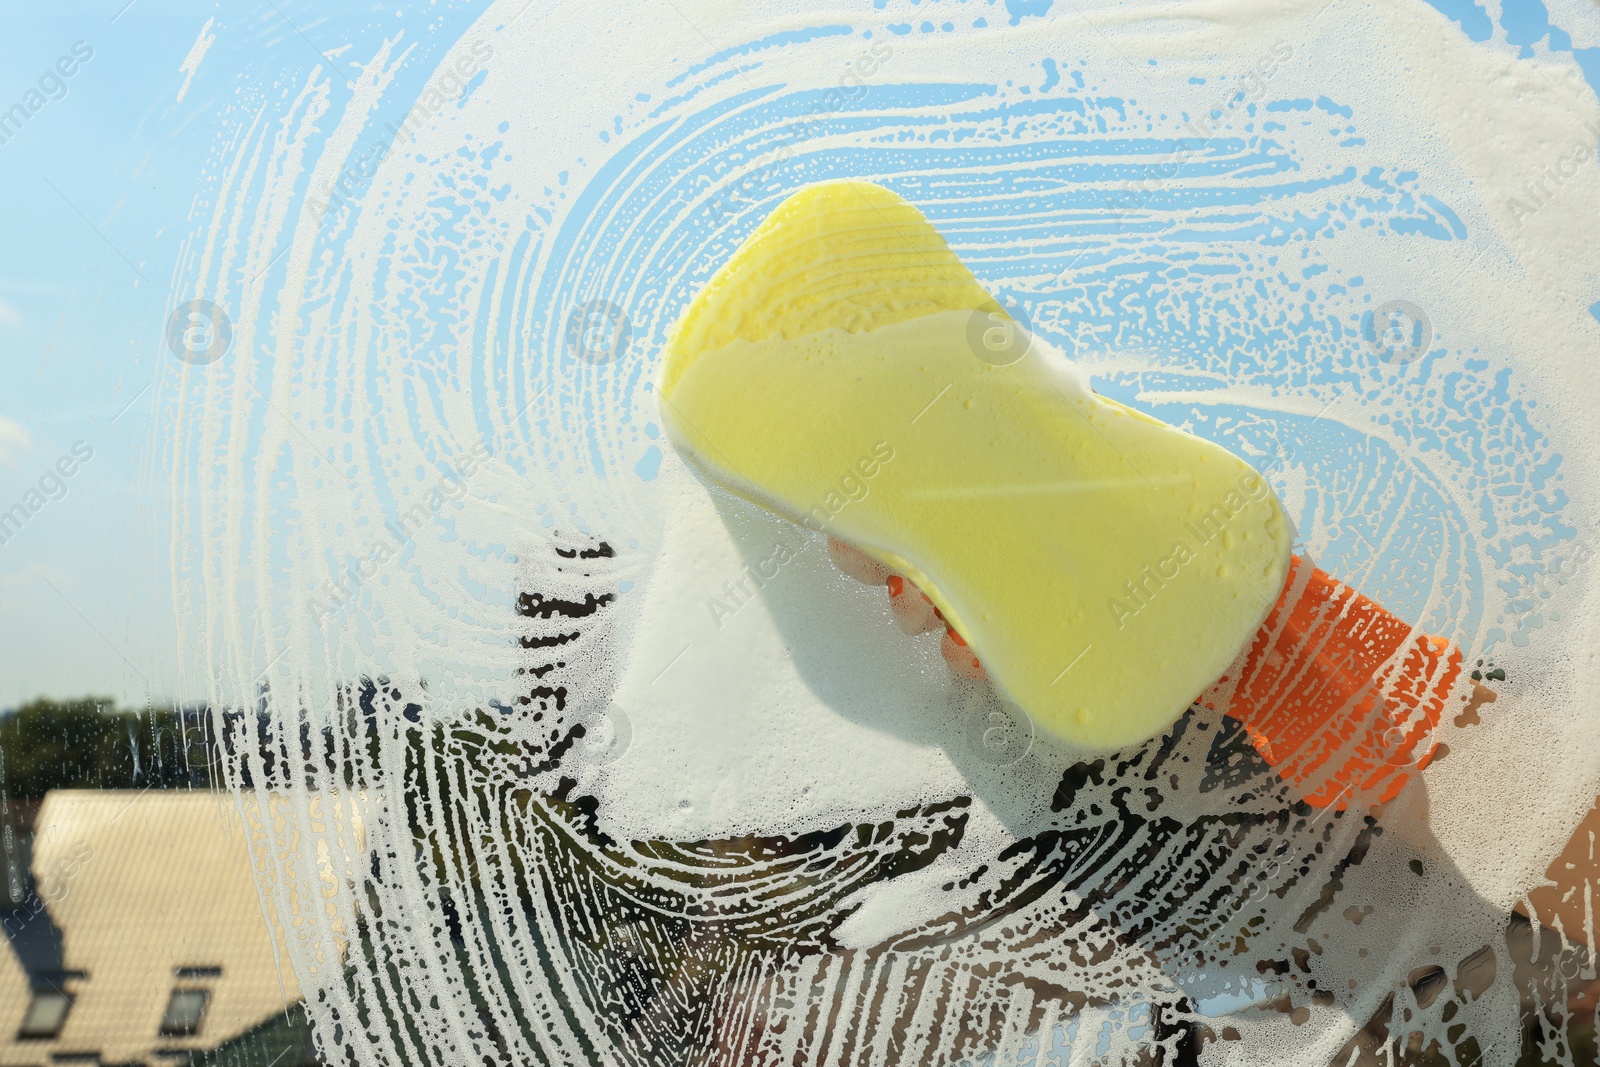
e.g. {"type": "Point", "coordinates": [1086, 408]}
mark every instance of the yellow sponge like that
{"type": "Point", "coordinates": [841, 370]}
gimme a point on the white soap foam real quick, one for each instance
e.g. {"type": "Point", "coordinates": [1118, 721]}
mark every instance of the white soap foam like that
{"type": "Point", "coordinates": [792, 793]}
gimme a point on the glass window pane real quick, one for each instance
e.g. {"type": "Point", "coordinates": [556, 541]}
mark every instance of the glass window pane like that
{"type": "Point", "coordinates": [184, 1012]}
{"type": "Point", "coordinates": [46, 1014]}
{"type": "Point", "coordinates": [865, 532]}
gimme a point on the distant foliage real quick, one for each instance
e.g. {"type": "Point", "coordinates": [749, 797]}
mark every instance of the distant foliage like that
{"type": "Point", "coordinates": [89, 743]}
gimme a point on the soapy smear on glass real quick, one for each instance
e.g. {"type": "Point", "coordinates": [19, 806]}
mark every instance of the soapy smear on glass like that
{"type": "Point", "coordinates": [594, 762]}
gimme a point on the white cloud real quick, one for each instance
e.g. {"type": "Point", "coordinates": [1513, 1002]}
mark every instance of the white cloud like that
{"type": "Point", "coordinates": [9, 315]}
{"type": "Point", "coordinates": [13, 439]}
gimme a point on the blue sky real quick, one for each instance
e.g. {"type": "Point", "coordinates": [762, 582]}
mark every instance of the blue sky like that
{"type": "Point", "coordinates": [98, 185]}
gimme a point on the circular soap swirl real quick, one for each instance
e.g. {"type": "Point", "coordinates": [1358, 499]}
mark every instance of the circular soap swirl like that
{"type": "Point", "coordinates": [417, 493]}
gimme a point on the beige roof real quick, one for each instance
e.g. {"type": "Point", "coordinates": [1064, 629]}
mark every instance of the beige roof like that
{"type": "Point", "coordinates": [140, 885]}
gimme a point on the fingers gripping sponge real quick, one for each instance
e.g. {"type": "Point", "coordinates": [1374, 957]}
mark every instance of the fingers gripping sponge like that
{"type": "Point", "coordinates": [1104, 567]}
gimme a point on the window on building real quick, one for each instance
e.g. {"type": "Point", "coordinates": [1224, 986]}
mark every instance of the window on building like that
{"type": "Point", "coordinates": [46, 1014]}
{"type": "Point", "coordinates": [184, 1012]}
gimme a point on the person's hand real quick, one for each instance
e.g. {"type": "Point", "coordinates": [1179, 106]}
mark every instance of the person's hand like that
{"type": "Point", "coordinates": [913, 612]}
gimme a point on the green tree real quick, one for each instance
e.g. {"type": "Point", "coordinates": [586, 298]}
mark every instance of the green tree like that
{"type": "Point", "coordinates": [87, 743]}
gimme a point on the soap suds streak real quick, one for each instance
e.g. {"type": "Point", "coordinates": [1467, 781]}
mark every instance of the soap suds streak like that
{"type": "Point", "coordinates": [679, 947]}
{"type": "Point", "coordinates": [508, 904]}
